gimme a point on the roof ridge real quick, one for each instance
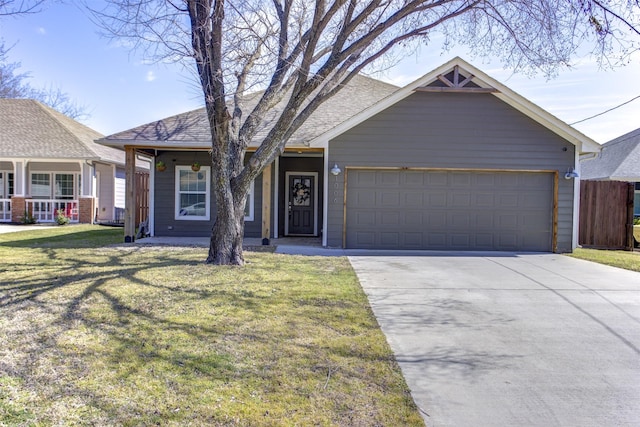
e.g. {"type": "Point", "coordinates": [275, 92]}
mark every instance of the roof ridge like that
{"type": "Point", "coordinates": [51, 112]}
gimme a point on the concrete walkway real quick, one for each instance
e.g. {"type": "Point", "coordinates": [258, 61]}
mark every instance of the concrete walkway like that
{"type": "Point", "coordinates": [499, 339]}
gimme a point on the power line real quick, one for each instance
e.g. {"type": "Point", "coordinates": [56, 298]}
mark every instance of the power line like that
{"type": "Point", "coordinates": [604, 112]}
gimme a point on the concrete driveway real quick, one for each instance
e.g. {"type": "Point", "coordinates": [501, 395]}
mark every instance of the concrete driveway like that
{"type": "Point", "coordinates": [499, 339]}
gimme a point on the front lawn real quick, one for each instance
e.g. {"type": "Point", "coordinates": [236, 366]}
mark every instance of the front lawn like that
{"type": "Point", "coordinates": [622, 259]}
{"type": "Point", "coordinates": [96, 335]}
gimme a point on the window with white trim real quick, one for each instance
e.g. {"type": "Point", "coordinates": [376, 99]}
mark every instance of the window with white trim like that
{"type": "Point", "coordinates": [249, 205]}
{"type": "Point", "coordinates": [63, 186]}
{"type": "Point", "coordinates": [193, 195]}
{"type": "Point", "coordinates": [41, 185]}
{"type": "Point", "coordinates": [59, 186]}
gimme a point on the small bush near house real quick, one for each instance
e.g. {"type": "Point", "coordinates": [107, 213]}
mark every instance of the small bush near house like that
{"type": "Point", "coordinates": [61, 218]}
{"type": "Point", "coordinates": [27, 218]}
{"type": "Point", "coordinates": [636, 221]}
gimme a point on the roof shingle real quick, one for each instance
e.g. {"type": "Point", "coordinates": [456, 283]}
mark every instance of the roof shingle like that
{"type": "Point", "coordinates": [30, 129]}
{"type": "Point", "coordinates": [192, 128]}
{"type": "Point", "coordinates": [619, 160]}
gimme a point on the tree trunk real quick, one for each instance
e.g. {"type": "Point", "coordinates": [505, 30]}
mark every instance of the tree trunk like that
{"type": "Point", "coordinates": [225, 247]}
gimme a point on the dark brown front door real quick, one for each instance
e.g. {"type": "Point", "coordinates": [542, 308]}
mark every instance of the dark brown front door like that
{"type": "Point", "coordinates": [301, 205]}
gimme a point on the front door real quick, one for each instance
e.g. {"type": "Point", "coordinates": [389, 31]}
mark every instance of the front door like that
{"type": "Point", "coordinates": [301, 204]}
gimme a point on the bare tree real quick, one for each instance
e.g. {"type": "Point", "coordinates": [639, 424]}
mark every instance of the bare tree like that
{"type": "Point", "coordinates": [13, 84]}
{"type": "Point", "coordinates": [19, 7]}
{"type": "Point", "coordinates": [299, 53]}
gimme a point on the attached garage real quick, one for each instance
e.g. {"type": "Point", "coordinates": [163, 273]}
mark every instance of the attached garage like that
{"type": "Point", "coordinates": [449, 209]}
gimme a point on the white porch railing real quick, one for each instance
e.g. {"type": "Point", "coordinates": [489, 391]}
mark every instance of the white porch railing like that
{"type": "Point", "coordinates": [46, 210]}
{"type": "Point", "coordinates": [5, 210]}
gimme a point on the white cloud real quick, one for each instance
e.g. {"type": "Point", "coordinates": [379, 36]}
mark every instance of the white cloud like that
{"type": "Point", "coordinates": [41, 31]}
{"type": "Point", "coordinates": [150, 76]}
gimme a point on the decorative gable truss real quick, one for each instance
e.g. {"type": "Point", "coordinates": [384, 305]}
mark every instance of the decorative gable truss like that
{"type": "Point", "coordinates": [455, 81]}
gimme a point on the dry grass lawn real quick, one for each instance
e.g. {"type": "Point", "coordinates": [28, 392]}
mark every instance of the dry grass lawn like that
{"type": "Point", "coordinates": [98, 335]}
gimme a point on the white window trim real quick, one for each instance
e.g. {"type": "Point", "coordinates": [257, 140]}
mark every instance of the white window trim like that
{"type": "Point", "coordinates": [52, 183]}
{"type": "Point", "coordinates": [251, 215]}
{"type": "Point", "coordinates": [50, 186]}
{"type": "Point", "coordinates": [176, 201]}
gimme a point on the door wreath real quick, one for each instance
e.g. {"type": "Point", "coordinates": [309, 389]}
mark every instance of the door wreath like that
{"type": "Point", "coordinates": [301, 194]}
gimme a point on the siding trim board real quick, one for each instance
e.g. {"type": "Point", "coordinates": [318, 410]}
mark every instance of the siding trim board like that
{"type": "Point", "coordinates": [552, 198]}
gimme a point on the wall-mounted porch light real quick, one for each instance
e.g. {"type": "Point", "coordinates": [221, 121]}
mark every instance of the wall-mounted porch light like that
{"type": "Point", "coordinates": [335, 170]}
{"type": "Point", "coordinates": [571, 173]}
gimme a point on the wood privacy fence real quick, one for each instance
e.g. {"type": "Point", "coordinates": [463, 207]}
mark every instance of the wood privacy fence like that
{"type": "Point", "coordinates": [606, 215]}
{"type": "Point", "coordinates": [142, 197]}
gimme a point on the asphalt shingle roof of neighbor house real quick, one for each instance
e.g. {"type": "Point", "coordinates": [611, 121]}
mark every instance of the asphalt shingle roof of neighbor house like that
{"type": "Point", "coordinates": [619, 160]}
{"type": "Point", "coordinates": [191, 129]}
{"type": "Point", "coordinates": [30, 129]}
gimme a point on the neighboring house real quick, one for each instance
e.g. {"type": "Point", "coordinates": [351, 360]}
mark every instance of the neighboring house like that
{"type": "Point", "coordinates": [619, 160]}
{"type": "Point", "coordinates": [453, 161]}
{"type": "Point", "coordinates": [49, 162]}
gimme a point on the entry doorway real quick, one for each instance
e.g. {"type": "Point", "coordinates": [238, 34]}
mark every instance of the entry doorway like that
{"type": "Point", "coordinates": [301, 204]}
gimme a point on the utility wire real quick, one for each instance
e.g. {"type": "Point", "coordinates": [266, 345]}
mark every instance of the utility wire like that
{"type": "Point", "coordinates": [604, 112]}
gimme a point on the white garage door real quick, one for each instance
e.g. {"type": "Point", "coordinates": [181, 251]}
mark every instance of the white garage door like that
{"type": "Point", "coordinates": [449, 210]}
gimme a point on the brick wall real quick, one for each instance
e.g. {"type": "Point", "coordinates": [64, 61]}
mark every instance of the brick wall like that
{"type": "Point", "coordinates": [86, 210]}
{"type": "Point", "coordinates": [18, 205]}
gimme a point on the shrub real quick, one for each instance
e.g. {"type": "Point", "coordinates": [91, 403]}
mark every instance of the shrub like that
{"type": "Point", "coordinates": [61, 218]}
{"type": "Point", "coordinates": [636, 221]}
{"type": "Point", "coordinates": [27, 218]}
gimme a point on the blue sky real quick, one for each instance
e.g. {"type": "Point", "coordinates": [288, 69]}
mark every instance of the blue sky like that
{"type": "Point", "coordinates": [61, 47]}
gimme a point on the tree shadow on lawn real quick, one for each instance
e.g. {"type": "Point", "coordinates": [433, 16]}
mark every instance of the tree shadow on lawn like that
{"type": "Point", "coordinates": [86, 326]}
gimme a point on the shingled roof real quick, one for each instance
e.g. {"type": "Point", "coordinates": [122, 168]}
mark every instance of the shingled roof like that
{"type": "Point", "coordinates": [191, 129]}
{"type": "Point", "coordinates": [30, 129]}
{"type": "Point", "coordinates": [619, 160]}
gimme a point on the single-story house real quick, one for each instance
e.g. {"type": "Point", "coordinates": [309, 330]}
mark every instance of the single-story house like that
{"type": "Point", "coordinates": [50, 162]}
{"type": "Point", "coordinates": [619, 160]}
{"type": "Point", "coordinates": [453, 161]}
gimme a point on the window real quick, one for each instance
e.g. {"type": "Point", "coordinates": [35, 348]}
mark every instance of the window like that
{"type": "Point", "coordinates": [6, 185]}
{"type": "Point", "coordinates": [9, 192]}
{"type": "Point", "coordinates": [64, 186]}
{"type": "Point", "coordinates": [41, 185]}
{"type": "Point", "coordinates": [248, 207]}
{"type": "Point", "coordinates": [193, 198]}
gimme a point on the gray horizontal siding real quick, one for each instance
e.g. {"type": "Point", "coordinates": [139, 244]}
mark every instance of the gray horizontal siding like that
{"type": "Point", "coordinates": [164, 202]}
{"type": "Point", "coordinates": [452, 130]}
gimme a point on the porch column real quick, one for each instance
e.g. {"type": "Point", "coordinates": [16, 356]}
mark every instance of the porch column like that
{"type": "Point", "coordinates": [130, 195]}
{"type": "Point", "coordinates": [19, 178]}
{"type": "Point", "coordinates": [18, 199]}
{"type": "Point", "coordinates": [266, 204]}
{"type": "Point", "coordinates": [87, 202]}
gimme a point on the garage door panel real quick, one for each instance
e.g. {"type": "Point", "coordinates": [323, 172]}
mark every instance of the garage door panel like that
{"type": "Point", "coordinates": [389, 198]}
{"type": "Point", "coordinates": [366, 200]}
{"type": "Point", "coordinates": [413, 198]}
{"type": "Point", "coordinates": [452, 210]}
{"type": "Point", "coordinates": [364, 218]}
{"type": "Point", "coordinates": [484, 200]}
{"type": "Point", "coordinates": [390, 218]}
{"type": "Point", "coordinates": [414, 179]}
{"type": "Point", "coordinates": [413, 240]}
{"type": "Point", "coordinates": [389, 179]}
{"type": "Point", "coordinates": [389, 238]}
{"type": "Point", "coordinates": [460, 200]}
{"type": "Point", "coordinates": [437, 200]}
{"type": "Point", "coordinates": [364, 239]}
{"type": "Point", "coordinates": [436, 179]}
